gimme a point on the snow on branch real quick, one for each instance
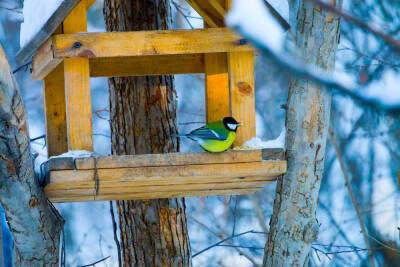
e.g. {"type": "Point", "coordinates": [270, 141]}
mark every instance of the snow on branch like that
{"type": "Point", "coordinates": [253, 21]}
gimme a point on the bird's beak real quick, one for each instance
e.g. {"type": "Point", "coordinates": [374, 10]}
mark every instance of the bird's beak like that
{"type": "Point", "coordinates": [239, 124]}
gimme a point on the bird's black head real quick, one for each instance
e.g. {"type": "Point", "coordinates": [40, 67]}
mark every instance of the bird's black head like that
{"type": "Point", "coordinates": [230, 123]}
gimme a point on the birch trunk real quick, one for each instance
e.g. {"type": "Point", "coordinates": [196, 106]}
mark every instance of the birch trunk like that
{"type": "Point", "coordinates": [35, 225]}
{"type": "Point", "coordinates": [293, 225]}
{"type": "Point", "coordinates": [143, 121]}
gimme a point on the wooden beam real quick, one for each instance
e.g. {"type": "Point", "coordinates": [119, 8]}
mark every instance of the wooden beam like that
{"type": "Point", "coordinates": [60, 197]}
{"type": "Point", "coordinates": [54, 109]}
{"type": "Point", "coordinates": [147, 43]}
{"type": "Point", "coordinates": [146, 65]}
{"type": "Point", "coordinates": [162, 175]}
{"type": "Point", "coordinates": [217, 86]}
{"type": "Point", "coordinates": [77, 87]}
{"type": "Point", "coordinates": [241, 82]}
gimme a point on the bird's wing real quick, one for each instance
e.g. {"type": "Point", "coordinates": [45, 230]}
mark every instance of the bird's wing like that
{"type": "Point", "coordinates": [207, 133]}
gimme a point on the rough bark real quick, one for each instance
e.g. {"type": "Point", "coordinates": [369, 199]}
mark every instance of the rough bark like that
{"type": "Point", "coordinates": [35, 225]}
{"type": "Point", "coordinates": [143, 120]}
{"type": "Point", "coordinates": [293, 224]}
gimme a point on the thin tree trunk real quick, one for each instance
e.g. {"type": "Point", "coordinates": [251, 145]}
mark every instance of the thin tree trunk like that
{"type": "Point", "coordinates": [293, 225]}
{"type": "Point", "coordinates": [143, 120]}
{"type": "Point", "coordinates": [35, 225]}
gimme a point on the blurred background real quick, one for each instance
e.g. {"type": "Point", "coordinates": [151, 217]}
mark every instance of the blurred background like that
{"type": "Point", "coordinates": [369, 143]}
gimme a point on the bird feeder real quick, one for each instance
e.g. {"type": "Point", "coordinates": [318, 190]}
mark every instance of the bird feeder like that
{"type": "Point", "coordinates": [65, 56]}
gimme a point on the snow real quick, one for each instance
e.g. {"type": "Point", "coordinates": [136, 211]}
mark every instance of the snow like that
{"type": "Point", "coordinates": [253, 18]}
{"type": "Point", "coordinates": [36, 13]}
{"type": "Point", "coordinates": [386, 89]}
{"type": "Point", "coordinates": [76, 154]}
{"type": "Point", "coordinates": [258, 143]}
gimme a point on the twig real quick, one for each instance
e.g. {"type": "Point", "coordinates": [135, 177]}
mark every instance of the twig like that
{"type": "Point", "coordinates": [22, 66]}
{"type": "Point", "coordinates": [351, 193]}
{"type": "Point", "coordinates": [336, 224]}
{"type": "Point", "coordinates": [38, 138]}
{"type": "Point", "coordinates": [114, 223]}
{"type": "Point", "coordinates": [180, 11]}
{"type": "Point", "coordinates": [94, 263]}
{"type": "Point", "coordinates": [224, 240]}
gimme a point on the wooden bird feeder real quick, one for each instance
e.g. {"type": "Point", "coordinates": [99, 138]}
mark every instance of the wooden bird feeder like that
{"type": "Point", "coordinates": [65, 56]}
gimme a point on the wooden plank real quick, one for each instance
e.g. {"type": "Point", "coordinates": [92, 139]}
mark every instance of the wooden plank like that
{"type": "Point", "coordinates": [77, 87]}
{"type": "Point", "coordinates": [157, 185]}
{"type": "Point", "coordinates": [147, 43]}
{"type": "Point", "coordinates": [146, 65]}
{"type": "Point", "coordinates": [157, 174]}
{"type": "Point", "coordinates": [48, 29]}
{"type": "Point", "coordinates": [241, 83]}
{"type": "Point", "coordinates": [168, 159]}
{"type": "Point", "coordinates": [54, 109]}
{"type": "Point", "coordinates": [59, 197]}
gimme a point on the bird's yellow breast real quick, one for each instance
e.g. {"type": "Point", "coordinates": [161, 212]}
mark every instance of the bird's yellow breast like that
{"type": "Point", "coordinates": [218, 145]}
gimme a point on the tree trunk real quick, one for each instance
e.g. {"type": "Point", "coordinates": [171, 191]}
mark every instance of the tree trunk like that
{"type": "Point", "coordinates": [143, 120]}
{"type": "Point", "coordinates": [293, 224]}
{"type": "Point", "coordinates": [35, 225]}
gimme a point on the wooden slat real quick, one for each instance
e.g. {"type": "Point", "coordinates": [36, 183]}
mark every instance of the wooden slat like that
{"type": "Point", "coordinates": [147, 43]}
{"type": "Point", "coordinates": [241, 82]}
{"type": "Point", "coordinates": [168, 159]}
{"type": "Point", "coordinates": [54, 109]}
{"type": "Point", "coordinates": [217, 86]}
{"type": "Point", "coordinates": [158, 185]}
{"type": "Point", "coordinates": [77, 87]}
{"type": "Point", "coordinates": [262, 168]}
{"type": "Point", "coordinates": [146, 65]}
{"type": "Point", "coordinates": [59, 197]}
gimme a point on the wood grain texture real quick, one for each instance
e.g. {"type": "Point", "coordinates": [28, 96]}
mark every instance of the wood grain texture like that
{"type": "Point", "coordinates": [77, 87]}
{"type": "Point", "coordinates": [55, 115]}
{"type": "Point", "coordinates": [242, 94]}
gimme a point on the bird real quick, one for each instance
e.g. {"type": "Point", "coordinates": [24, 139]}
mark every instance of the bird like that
{"type": "Point", "coordinates": [215, 136]}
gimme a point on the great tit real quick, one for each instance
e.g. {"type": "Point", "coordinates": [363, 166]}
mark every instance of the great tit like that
{"type": "Point", "coordinates": [215, 136]}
